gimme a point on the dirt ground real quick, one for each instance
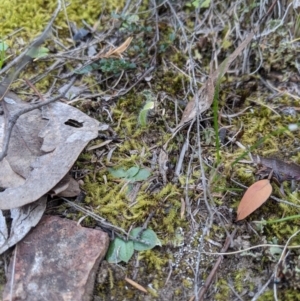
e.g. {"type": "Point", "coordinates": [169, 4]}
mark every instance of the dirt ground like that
{"type": "Point", "coordinates": [198, 175]}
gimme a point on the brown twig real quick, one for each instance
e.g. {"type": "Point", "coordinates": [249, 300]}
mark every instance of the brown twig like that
{"type": "Point", "coordinates": [41, 97]}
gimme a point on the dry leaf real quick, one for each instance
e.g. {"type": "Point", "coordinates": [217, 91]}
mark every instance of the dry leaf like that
{"type": "Point", "coordinates": [204, 98]}
{"type": "Point", "coordinates": [116, 52]}
{"type": "Point", "coordinates": [67, 188]}
{"type": "Point", "coordinates": [44, 145]}
{"type": "Point", "coordinates": [205, 94]}
{"type": "Point", "coordinates": [253, 198]}
{"type": "Point", "coordinates": [23, 219]}
{"type": "Point", "coordinates": [288, 170]}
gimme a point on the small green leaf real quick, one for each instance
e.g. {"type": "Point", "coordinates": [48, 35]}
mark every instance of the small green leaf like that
{"type": "Point", "coordinates": [132, 19]}
{"type": "Point", "coordinates": [143, 174]}
{"type": "Point", "coordinates": [88, 68]}
{"type": "Point", "coordinates": [117, 173]}
{"type": "Point", "coordinates": [131, 172]}
{"type": "Point", "coordinates": [37, 52]}
{"type": "Point", "coordinates": [119, 250]}
{"type": "Point", "coordinates": [149, 105]}
{"type": "Point", "coordinates": [172, 36]}
{"type": "Point", "coordinates": [205, 4]}
{"type": "Point", "coordinates": [3, 46]}
{"type": "Point", "coordinates": [276, 252]}
{"type": "Point", "coordinates": [196, 3]}
{"type": "Point", "coordinates": [144, 112]}
{"type": "Point", "coordinates": [201, 4]}
{"type": "Point", "coordinates": [148, 239]}
{"type": "Point", "coordinates": [115, 15]}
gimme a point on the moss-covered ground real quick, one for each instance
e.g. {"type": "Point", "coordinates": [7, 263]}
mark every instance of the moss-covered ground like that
{"type": "Point", "coordinates": [192, 209]}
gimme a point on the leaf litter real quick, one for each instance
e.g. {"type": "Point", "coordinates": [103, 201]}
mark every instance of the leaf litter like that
{"type": "Point", "coordinates": [39, 143]}
{"type": "Point", "coordinates": [253, 198]}
{"type": "Point", "coordinates": [23, 219]}
{"type": "Point", "coordinates": [42, 150]}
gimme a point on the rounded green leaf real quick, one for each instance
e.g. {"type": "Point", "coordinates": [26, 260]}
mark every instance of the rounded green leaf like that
{"type": "Point", "coordinates": [143, 174]}
{"type": "Point", "coordinates": [147, 239]}
{"type": "Point", "coordinates": [131, 172]}
{"type": "Point", "coordinates": [119, 250]}
{"type": "Point", "coordinates": [149, 105]}
{"type": "Point", "coordinates": [132, 19]}
{"type": "Point", "coordinates": [117, 173]}
{"type": "Point", "coordinates": [3, 46]}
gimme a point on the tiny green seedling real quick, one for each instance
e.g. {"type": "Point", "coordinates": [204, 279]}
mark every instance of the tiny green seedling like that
{"type": "Point", "coordinates": [199, 3]}
{"type": "Point", "coordinates": [3, 48]}
{"type": "Point", "coordinates": [108, 66]}
{"type": "Point", "coordinates": [140, 240]}
{"type": "Point", "coordinates": [144, 113]}
{"type": "Point", "coordinates": [38, 53]}
{"type": "Point", "coordinates": [149, 105]}
{"type": "Point", "coordinates": [132, 174]}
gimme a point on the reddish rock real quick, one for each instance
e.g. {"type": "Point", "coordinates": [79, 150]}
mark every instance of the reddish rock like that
{"type": "Point", "coordinates": [56, 261]}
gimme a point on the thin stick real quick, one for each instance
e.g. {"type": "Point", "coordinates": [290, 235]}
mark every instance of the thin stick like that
{"type": "Point", "coordinates": [13, 270]}
{"type": "Point", "coordinates": [41, 97]}
{"type": "Point", "coordinates": [211, 276]}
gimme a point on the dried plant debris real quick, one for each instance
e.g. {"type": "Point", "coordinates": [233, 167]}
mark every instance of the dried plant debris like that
{"type": "Point", "coordinates": [68, 187]}
{"type": "Point", "coordinates": [204, 98]}
{"type": "Point", "coordinates": [253, 198]}
{"type": "Point", "coordinates": [285, 170]}
{"type": "Point", "coordinates": [23, 219]}
{"type": "Point", "coordinates": [43, 147]}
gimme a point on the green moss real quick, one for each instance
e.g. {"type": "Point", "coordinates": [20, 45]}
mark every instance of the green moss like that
{"type": "Point", "coordinates": [35, 15]}
{"type": "Point", "coordinates": [287, 294]}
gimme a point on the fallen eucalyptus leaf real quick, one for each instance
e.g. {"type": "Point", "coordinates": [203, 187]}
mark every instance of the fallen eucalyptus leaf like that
{"type": "Point", "coordinates": [253, 198]}
{"type": "Point", "coordinates": [23, 219]}
{"type": "Point", "coordinates": [44, 145]}
{"type": "Point", "coordinates": [203, 99]}
{"type": "Point", "coordinates": [72, 92]}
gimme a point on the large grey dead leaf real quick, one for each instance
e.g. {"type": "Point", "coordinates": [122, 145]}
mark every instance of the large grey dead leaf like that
{"type": "Point", "coordinates": [43, 147]}
{"type": "Point", "coordinates": [23, 219]}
